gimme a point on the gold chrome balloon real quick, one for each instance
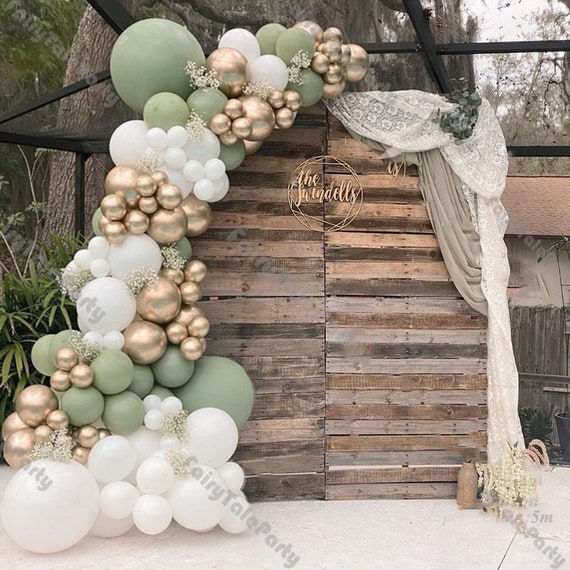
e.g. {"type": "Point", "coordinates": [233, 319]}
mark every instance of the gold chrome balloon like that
{"type": "Point", "coordinates": [190, 292]}
{"type": "Point", "coordinates": [176, 332]}
{"type": "Point", "coordinates": [312, 27]}
{"type": "Point", "coordinates": [195, 270]}
{"type": "Point", "coordinates": [346, 54]}
{"type": "Point", "coordinates": [220, 123]}
{"type": "Point", "coordinates": [252, 146]}
{"type": "Point", "coordinates": [199, 327]}
{"type": "Point", "coordinates": [136, 221]}
{"type": "Point", "coordinates": [146, 186]}
{"type": "Point", "coordinates": [18, 446]}
{"type": "Point", "coordinates": [331, 90]}
{"type": "Point", "coordinates": [231, 69]}
{"type": "Point", "coordinates": [167, 226]}
{"type": "Point", "coordinates": [121, 178]}
{"type": "Point", "coordinates": [335, 74]}
{"type": "Point", "coordinates": [35, 403]}
{"type": "Point", "coordinates": [42, 433]}
{"type": "Point", "coordinates": [87, 436]}
{"type": "Point", "coordinates": [145, 342]}
{"type": "Point", "coordinates": [159, 178]}
{"type": "Point", "coordinates": [80, 454]}
{"type": "Point", "coordinates": [159, 303]}
{"type": "Point", "coordinates": [276, 99]}
{"type": "Point", "coordinates": [284, 118]}
{"type": "Point", "coordinates": [198, 215]}
{"type": "Point", "coordinates": [115, 232]}
{"type": "Point", "coordinates": [332, 49]}
{"type": "Point", "coordinates": [191, 348]}
{"type": "Point", "coordinates": [204, 344]}
{"type": "Point", "coordinates": [187, 314]}
{"type": "Point", "coordinates": [332, 34]}
{"type": "Point", "coordinates": [293, 100]}
{"type": "Point", "coordinates": [60, 380]}
{"type": "Point", "coordinates": [233, 109]}
{"type": "Point", "coordinates": [65, 358]}
{"type": "Point", "coordinates": [228, 138]}
{"type": "Point", "coordinates": [103, 222]}
{"type": "Point", "coordinates": [12, 424]}
{"type": "Point", "coordinates": [242, 127]}
{"type": "Point", "coordinates": [148, 204]}
{"type": "Point", "coordinates": [358, 65]}
{"type": "Point", "coordinates": [261, 115]}
{"type": "Point", "coordinates": [169, 196]}
{"type": "Point", "coordinates": [81, 376]}
{"type": "Point", "coordinates": [320, 63]}
{"type": "Point", "coordinates": [175, 275]}
{"type": "Point", "coordinates": [103, 433]}
{"type": "Point", "coordinates": [58, 419]}
{"type": "Point", "coordinates": [114, 207]}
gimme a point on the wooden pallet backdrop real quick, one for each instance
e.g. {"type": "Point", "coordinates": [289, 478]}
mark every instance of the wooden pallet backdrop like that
{"type": "Point", "coordinates": [369, 368]}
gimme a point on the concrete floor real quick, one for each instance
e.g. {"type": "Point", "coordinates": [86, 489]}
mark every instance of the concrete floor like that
{"type": "Point", "coordinates": [329, 535]}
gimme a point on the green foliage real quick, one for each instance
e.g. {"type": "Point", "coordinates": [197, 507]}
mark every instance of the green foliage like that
{"type": "Point", "coordinates": [536, 424]}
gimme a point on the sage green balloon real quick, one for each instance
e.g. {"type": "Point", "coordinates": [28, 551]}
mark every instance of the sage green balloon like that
{"type": "Point", "coordinates": [165, 110]}
{"type": "Point", "coordinates": [113, 371]}
{"type": "Point", "coordinates": [219, 383]}
{"type": "Point", "coordinates": [124, 413]}
{"type": "Point", "coordinates": [143, 380]}
{"type": "Point", "coordinates": [232, 156]}
{"type": "Point", "coordinates": [83, 405]}
{"type": "Point", "coordinates": [41, 358]}
{"type": "Point", "coordinates": [60, 340]}
{"type": "Point", "coordinates": [207, 102]}
{"type": "Point", "coordinates": [95, 222]}
{"type": "Point", "coordinates": [172, 370]}
{"type": "Point", "coordinates": [150, 57]}
{"type": "Point", "coordinates": [184, 248]}
{"type": "Point", "coordinates": [293, 40]}
{"type": "Point", "coordinates": [311, 89]}
{"type": "Point", "coordinates": [161, 392]}
{"type": "Point", "coordinates": [267, 36]}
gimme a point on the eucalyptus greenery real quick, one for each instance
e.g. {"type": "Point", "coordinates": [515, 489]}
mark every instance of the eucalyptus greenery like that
{"type": "Point", "coordinates": [461, 121]}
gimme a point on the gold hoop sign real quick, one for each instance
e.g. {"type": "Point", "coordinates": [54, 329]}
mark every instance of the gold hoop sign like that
{"type": "Point", "coordinates": [311, 188]}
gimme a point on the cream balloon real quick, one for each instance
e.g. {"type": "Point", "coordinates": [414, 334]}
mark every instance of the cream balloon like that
{"type": "Point", "coordinates": [128, 142]}
{"type": "Point", "coordinates": [111, 459]}
{"type": "Point", "coordinates": [243, 41]}
{"type": "Point", "coordinates": [134, 251]}
{"type": "Point", "coordinates": [105, 527]}
{"type": "Point", "coordinates": [205, 149]}
{"type": "Point", "coordinates": [270, 69]}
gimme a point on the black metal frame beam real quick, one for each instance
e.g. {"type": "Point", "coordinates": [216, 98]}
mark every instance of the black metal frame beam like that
{"type": "Point", "coordinates": [114, 13]}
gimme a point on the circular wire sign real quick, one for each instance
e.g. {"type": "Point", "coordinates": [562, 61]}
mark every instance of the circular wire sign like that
{"type": "Point", "coordinates": [312, 187]}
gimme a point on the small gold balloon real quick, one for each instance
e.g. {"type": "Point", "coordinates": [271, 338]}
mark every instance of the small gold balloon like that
{"type": "Point", "coordinates": [220, 123]}
{"type": "Point", "coordinates": [191, 348]}
{"type": "Point", "coordinates": [233, 109]}
{"type": "Point", "coordinates": [252, 146]}
{"type": "Point", "coordinates": [121, 178]}
{"type": "Point", "coordinates": [176, 332]}
{"type": "Point", "coordinates": [261, 115]}
{"type": "Point", "coordinates": [146, 186]}
{"type": "Point", "coordinates": [12, 424]}
{"type": "Point", "coordinates": [284, 118]}
{"type": "Point", "coordinates": [114, 207]}
{"type": "Point", "coordinates": [87, 436]}
{"type": "Point", "coordinates": [228, 138]}
{"type": "Point", "coordinates": [175, 275]}
{"type": "Point", "coordinates": [65, 358]}
{"type": "Point", "coordinates": [42, 433]}
{"type": "Point", "coordinates": [331, 90]}
{"type": "Point", "coordinates": [231, 69]}
{"type": "Point", "coordinates": [159, 303]}
{"type": "Point", "coordinates": [35, 403]}
{"type": "Point", "coordinates": [241, 127]}
{"type": "Point", "coordinates": [136, 222]}
{"type": "Point", "coordinates": [190, 292]}
{"type": "Point", "coordinates": [198, 215]}
{"type": "Point", "coordinates": [159, 177]}
{"type": "Point", "coordinates": [169, 196]}
{"type": "Point", "coordinates": [293, 100]}
{"type": "Point", "coordinates": [204, 344]}
{"type": "Point", "coordinates": [187, 314]}
{"type": "Point", "coordinates": [58, 419]}
{"type": "Point", "coordinates": [103, 433]}
{"type": "Point", "coordinates": [199, 327]}
{"type": "Point", "coordinates": [80, 454]}
{"type": "Point", "coordinates": [333, 50]}
{"type": "Point", "coordinates": [148, 204]}
{"type": "Point", "coordinates": [332, 34]}
{"type": "Point", "coordinates": [335, 74]}
{"type": "Point", "coordinates": [312, 27]}
{"type": "Point", "coordinates": [145, 342]}
{"type": "Point", "coordinates": [358, 65]}
{"type": "Point", "coordinates": [115, 232]}
{"type": "Point", "coordinates": [103, 222]}
{"type": "Point", "coordinates": [60, 380]}
{"type": "Point", "coordinates": [195, 270]}
{"type": "Point", "coordinates": [276, 99]}
{"type": "Point", "coordinates": [320, 63]}
{"type": "Point", "coordinates": [18, 446]}
{"type": "Point", "coordinates": [81, 376]}
{"type": "Point", "coordinates": [167, 226]}
{"type": "Point", "coordinates": [346, 54]}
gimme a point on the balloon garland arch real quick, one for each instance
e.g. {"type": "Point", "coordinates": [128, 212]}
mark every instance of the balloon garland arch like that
{"type": "Point", "coordinates": [137, 426]}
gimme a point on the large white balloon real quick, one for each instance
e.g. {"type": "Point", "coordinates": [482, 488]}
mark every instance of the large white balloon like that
{"type": "Point", "coordinates": [243, 41]}
{"type": "Point", "coordinates": [49, 506]}
{"type": "Point", "coordinates": [205, 149]}
{"type": "Point", "coordinates": [111, 459]}
{"type": "Point", "coordinates": [270, 69]}
{"type": "Point", "coordinates": [193, 500]}
{"type": "Point", "coordinates": [134, 251]}
{"type": "Point", "coordinates": [152, 514]}
{"type": "Point", "coordinates": [233, 475]}
{"type": "Point", "coordinates": [128, 142]}
{"type": "Point", "coordinates": [106, 304]}
{"type": "Point", "coordinates": [118, 499]}
{"type": "Point", "coordinates": [145, 443]}
{"type": "Point", "coordinates": [105, 527]}
{"type": "Point", "coordinates": [213, 436]}
{"type": "Point", "coordinates": [231, 521]}
{"type": "Point", "coordinates": [155, 476]}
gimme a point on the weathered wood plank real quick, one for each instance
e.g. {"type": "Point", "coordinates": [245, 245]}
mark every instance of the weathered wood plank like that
{"type": "Point", "coordinates": [399, 412]}
{"type": "Point", "coordinates": [391, 287]}
{"type": "Point", "coordinates": [284, 487]}
{"type": "Point", "coordinates": [268, 284]}
{"type": "Point", "coordinates": [406, 398]}
{"type": "Point", "coordinates": [405, 350]}
{"type": "Point", "coordinates": [387, 305]}
{"type": "Point", "coordinates": [362, 335]}
{"type": "Point", "coordinates": [374, 458]}
{"type": "Point", "coordinates": [394, 427]}
{"type": "Point", "coordinates": [406, 382]}
{"type": "Point", "coordinates": [278, 430]}
{"type": "Point", "coordinates": [311, 462]}
{"type": "Point", "coordinates": [290, 366]}
{"type": "Point", "coordinates": [288, 405]}
{"type": "Point", "coordinates": [364, 365]}
{"type": "Point", "coordinates": [295, 331]}
{"type": "Point", "coordinates": [392, 475]}
{"type": "Point", "coordinates": [259, 346]}
{"type": "Point", "coordinates": [254, 263]}
{"type": "Point", "coordinates": [392, 491]}
{"type": "Point", "coordinates": [281, 249]}
{"type": "Point", "coordinates": [365, 270]}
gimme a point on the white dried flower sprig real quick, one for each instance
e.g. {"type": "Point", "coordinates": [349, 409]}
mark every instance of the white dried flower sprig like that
{"type": "Point", "coordinates": [174, 424]}
{"type": "Point", "coordinates": [181, 461]}
{"type": "Point", "coordinates": [195, 126]}
{"type": "Point", "coordinates": [299, 61]}
{"type": "Point", "coordinates": [71, 281]}
{"type": "Point", "coordinates": [57, 448]}
{"type": "Point", "coordinates": [148, 162]}
{"type": "Point", "coordinates": [260, 89]}
{"type": "Point", "coordinates": [200, 77]}
{"type": "Point", "coordinates": [172, 258]}
{"type": "Point", "coordinates": [87, 351]}
{"type": "Point", "coordinates": [140, 277]}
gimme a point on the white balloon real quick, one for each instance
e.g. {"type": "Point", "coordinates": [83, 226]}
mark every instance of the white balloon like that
{"type": "Point", "coordinates": [153, 419]}
{"type": "Point", "coordinates": [214, 169]}
{"type": "Point", "coordinates": [106, 304]}
{"type": "Point", "coordinates": [49, 506]}
{"type": "Point", "coordinates": [155, 476]}
{"type": "Point", "coordinates": [176, 177]}
{"type": "Point", "coordinates": [152, 514]}
{"type": "Point", "coordinates": [203, 150]}
{"type": "Point", "coordinates": [193, 499]}
{"type": "Point", "coordinates": [118, 499]}
{"type": "Point", "coordinates": [111, 459]}
{"type": "Point", "coordinates": [128, 142]}
{"type": "Point", "coordinates": [231, 521]}
{"type": "Point", "coordinates": [194, 170]}
{"type": "Point", "coordinates": [243, 41]}
{"type": "Point", "coordinates": [106, 527]}
{"type": "Point", "coordinates": [83, 327]}
{"type": "Point", "coordinates": [170, 443]}
{"type": "Point", "coordinates": [270, 69]}
{"type": "Point", "coordinates": [212, 436]}
{"type": "Point", "coordinates": [83, 258]}
{"type": "Point", "coordinates": [94, 337]}
{"type": "Point", "coordinates": [221, 188]}
{"type": "Point", "coordinates": [204, 189]}
{"type": "Point", "coordinates": [99, 247]}
{"type": "Point", "coordinates": [233, 475]}
{"type": "Point", "coordinates": [145, 442]}
{"type": "Point", "coordinates": [152, 402]}
{"type": "Point", "coordinates": [99, 267]}
{"type": "Point", "coordinates": [155, 156]}
{"type": "Point", "coordinates": [175, 158]}
{"type": "Point", "coordinates": [134, 251]}
{"type": "Point", "coordinates": [170, 404]}
{"type": "Point", "coordinates": [177, 136]}
{"type": "Point", "coordinates": [156, 139]}
{"type": "Point", "coordinates": [114, 340]}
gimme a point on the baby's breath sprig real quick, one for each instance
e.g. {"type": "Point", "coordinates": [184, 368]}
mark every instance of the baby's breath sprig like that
{"type": "Point", "coordinates": [148, 162]}
{"type": "Point", "coordinates": [181, 461]}
{"type": "Point", "coordinates": [200, 77]}
{"type": "Point", "coordinates": [57, 448]}
{"type": "Point", "coordinates": [260, 89]}
{"type": "Point", "coordinates": [86, 350]}
{"type": "Point", "coordinates": [140, 277]}
{"type": "Point", "coordinates": [195, 126]}
{"type": "Point", "coordinates": [172, 258]}
{"type": "Point", "coordinates": [299, 61]}
{"type": "Point", "coordinates": [174, 424]}
{"type": "Point", "coordinates": [71, 281]}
